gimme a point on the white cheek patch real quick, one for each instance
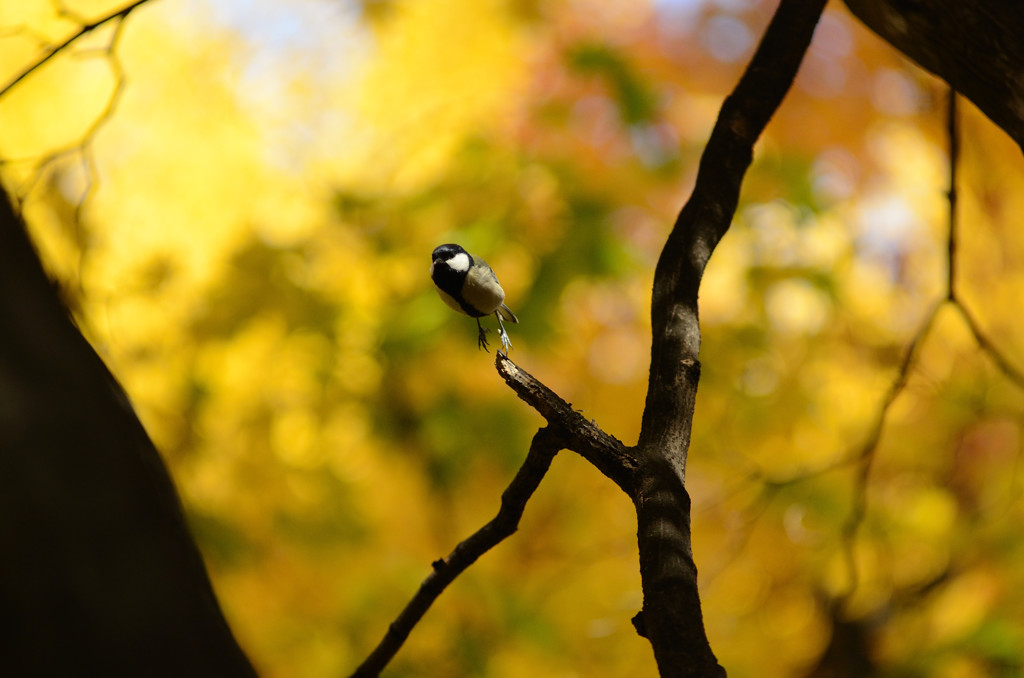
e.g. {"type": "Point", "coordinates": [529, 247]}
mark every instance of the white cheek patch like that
{"type": "Point", "coordinates": [460, 262]}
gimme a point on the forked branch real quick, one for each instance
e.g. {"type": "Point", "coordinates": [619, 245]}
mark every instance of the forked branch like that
{"type": "Point", "coordinates": [652, 474]}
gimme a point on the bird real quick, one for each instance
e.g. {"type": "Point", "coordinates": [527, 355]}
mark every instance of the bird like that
{"type": "Point", "coordinates": [468, 285]}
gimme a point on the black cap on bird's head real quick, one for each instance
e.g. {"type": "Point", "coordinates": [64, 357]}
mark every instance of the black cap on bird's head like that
{"type": "Point", "coordinates": [449, 266]}
{"type": "Point", "coordinates": [446, 252]}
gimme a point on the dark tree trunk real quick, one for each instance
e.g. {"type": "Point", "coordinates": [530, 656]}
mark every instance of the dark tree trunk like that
{"type": "Point", "coordinates": [977, 47]}
{"type": "Point", "coordinates": [98, 573]}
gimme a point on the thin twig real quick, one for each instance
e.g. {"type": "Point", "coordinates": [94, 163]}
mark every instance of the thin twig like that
{"type": "Point", "coordinates": [1013, 373]}
{"type": "Point", "coordinates": [84, 29]}
{"type": "Point", "coordinates": [953, 131]}
{"type": "Point", "coordinates": [88, 161]}
{"type": "Point", "coordinates": [866, 457]}
{"type": "Point", "coordinates": [980, 337]}
{"type": "Point", "coordinates": [545, 445]}
{"type": "Point", "coordinates": [83, 147]}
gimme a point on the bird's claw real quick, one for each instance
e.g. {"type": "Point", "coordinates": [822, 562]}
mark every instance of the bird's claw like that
{"type": "Point", "coordinates": [505, 342]}
{"type": "Point", "coordinates": [481, 339]}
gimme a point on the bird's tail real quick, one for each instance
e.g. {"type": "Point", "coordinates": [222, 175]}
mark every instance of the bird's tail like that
{"type": "Point", "coordinates": [506, 314]}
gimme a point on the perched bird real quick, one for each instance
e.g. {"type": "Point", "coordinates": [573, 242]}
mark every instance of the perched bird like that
{"type": "Point", "coordinates": [468, 285]}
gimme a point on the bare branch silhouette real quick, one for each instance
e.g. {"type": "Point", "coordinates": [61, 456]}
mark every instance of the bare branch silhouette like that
{"type": "Point", "coordinates": [546, 444]}
{"type": "Point", "coordinates": [953, 136]}
{"type": "Point", "coordinates": [53, 50]}
{"type": "Point", "coordinates": [584, 437]}
{"type": "Point", "coordinates": [1015, 374]}
{"type": "Point", "coordinates": [83, 146]}
{"type": "Point", "coordinates": [866, 456]}
{"type": "Point", "coordinates": [985, 344]}
{"type": "Point", "coordinates": [671, 618]}
{"type": "Point", "coordinates": [652, 474]}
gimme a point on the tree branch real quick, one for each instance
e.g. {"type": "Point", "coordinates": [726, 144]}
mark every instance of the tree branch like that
{"type": "Point", "coordinates": [953, 135]}
{"type": "Point", "coordinates": [671, 617]}
{"type": "Point", "coordinates": [85, 29]}
{"type": "Point", "coordinates": [866, 457]}
{"type": "Point", "coordinates": [584, 437]}
{"type": "Point", "coordinates": [653, 473]}
{"type": "Point", "coordinates": [84, 149]}
{"type": "Point", "coordinates": [546, 443]}
{"type": "Point", "coordinates": [952, 291]}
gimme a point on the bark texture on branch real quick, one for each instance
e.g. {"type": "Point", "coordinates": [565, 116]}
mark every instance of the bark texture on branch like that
{"type": "Point", "coordinates": [671, 617]}
{"type": "Point", "coordinates": [977, 47]}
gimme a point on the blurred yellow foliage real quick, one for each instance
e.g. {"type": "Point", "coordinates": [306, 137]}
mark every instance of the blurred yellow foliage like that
{"type": "Point", "coordinates": [440, 68]}
{"type": "Point", "coordinates": [241, 203]}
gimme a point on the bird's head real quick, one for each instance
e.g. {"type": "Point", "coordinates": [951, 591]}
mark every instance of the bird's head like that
{"type": "Point", "coordinates": [452, 257]}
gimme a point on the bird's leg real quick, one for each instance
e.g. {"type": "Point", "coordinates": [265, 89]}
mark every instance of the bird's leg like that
{"type": "Point", "coordinates": [481, 339]}
{"type": "Point", "coordinates": [502, 334]}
